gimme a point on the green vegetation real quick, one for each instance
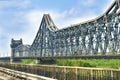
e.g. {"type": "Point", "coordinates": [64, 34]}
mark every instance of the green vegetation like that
{"type": "Point", "coordinates": [98, 63]}
{"type": "Point", "coordinates": [28, 61]}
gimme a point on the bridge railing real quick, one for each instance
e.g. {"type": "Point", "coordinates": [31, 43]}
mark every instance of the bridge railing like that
{"type": "Point", "coordinates": [67, 73]}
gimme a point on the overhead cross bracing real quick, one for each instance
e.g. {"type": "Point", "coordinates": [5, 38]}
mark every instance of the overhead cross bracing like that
{"type": "Point", "coordinates": [100, 36]}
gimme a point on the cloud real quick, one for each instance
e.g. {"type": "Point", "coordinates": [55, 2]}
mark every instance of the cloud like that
{"type": "Point", "coordinates": [0, 30]}
{"type": "Point", "coordinates": [87, 3]}
{"type": "Point", "coordinates": [61, 19]}
{"type": "Point", "coordinates": [34, 17]}
{"type": "Point", "coordinates": [3, 47]}
{"type": "Point", "coordinates": [14, 4]}
{"type": "Point", "coordinates": [10, 23]}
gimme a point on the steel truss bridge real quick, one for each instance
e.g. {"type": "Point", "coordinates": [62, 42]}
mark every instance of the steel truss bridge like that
{"type": "Point", "coordinates": [97, 37]}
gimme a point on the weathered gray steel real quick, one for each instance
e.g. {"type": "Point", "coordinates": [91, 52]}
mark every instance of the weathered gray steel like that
{"type": "Point", "coordinates": [100, 36]}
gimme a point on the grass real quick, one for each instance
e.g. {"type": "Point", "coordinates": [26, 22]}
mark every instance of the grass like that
{"type": "Point", "coordinates": [28, 61]}
{"type": "Point", "coordinates": [98, 63]}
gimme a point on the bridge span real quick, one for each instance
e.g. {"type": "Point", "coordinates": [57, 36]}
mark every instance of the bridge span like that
{"type": "Point", "coordinates": [97, 38]}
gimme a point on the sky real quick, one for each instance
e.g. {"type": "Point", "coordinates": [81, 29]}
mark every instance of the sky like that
{"type": "Point", "coordinates": [21, 18]}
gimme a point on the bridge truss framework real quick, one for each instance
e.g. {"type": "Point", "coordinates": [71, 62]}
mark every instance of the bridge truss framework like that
{"type": "Point", "coordinates": [100, 36]}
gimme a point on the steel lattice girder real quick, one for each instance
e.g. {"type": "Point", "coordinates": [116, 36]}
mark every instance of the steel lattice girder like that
{"type": "Point", "coordinates": [100, 36]}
